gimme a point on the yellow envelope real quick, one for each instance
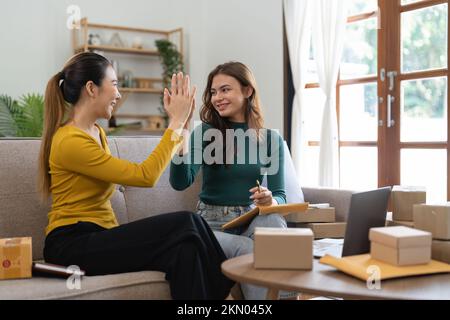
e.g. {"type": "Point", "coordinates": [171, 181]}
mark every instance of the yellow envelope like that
{"type": "Point", "coordinates": [361, 267]}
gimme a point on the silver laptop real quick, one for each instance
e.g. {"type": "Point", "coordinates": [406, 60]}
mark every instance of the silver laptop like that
{"type": "Point", "coordinates": [367, 210]}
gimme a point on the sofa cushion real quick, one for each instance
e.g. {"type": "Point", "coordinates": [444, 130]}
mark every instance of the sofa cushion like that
{"type": "Point", "coordinates": [145, 202]}
{"type": "Point", "coordinates": [118, 198]}
{"type": "Point", "coordinates": [294, 193]}
{"type": "Point", "coordinates": [133, 285]}
{"type": "Point", "coordinates": [21, 212]}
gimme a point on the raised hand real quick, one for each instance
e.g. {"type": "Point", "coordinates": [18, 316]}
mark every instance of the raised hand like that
{"type": "Point", "coordinates": [179, 101]}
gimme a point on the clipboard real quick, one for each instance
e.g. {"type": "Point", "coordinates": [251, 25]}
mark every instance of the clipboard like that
{"type": "Point", "coordinates": [283, 209]}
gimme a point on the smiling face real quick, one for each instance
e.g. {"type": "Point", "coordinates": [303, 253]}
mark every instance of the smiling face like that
{"type": "Point", "coordinates": [228, 97]}
{"type": "Point", "coordinates": [108, 95]}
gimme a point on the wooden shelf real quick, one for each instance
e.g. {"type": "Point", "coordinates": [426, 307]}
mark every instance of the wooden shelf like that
{"type": "Point", "coordinates": [119, 50]}
{"type": "Point", "coordinates": [147, 83]}
{"type": "Point", "coordinates": [133, 131]}
{"type": "Point", "coordinates": [132, 116]}
{"type": "Point", "coordinates": [160, 131]}
{"type": "Point", "coordinates": [141, 90]}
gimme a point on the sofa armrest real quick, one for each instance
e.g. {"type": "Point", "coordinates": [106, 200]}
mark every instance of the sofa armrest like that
{"type": "Point", "coordinates": [337, 198]}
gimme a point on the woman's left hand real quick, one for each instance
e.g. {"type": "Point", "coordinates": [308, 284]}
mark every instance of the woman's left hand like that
{"type": "Point", "coordinates": [263, 198]}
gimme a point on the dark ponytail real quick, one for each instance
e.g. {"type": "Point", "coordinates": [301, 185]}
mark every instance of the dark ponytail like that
{"type": "Point", "coordinates": [63, 91]}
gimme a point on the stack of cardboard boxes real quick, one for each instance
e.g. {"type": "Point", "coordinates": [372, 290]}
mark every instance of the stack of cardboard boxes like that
{"type": "Point", "coordinates": [321, 219]}
{"type": "Point", "coordinates": [400, 246]}
{"type": "Point", "coordinates": [403, 199]}
{"type": "Point", "coordinates": [436, 220]}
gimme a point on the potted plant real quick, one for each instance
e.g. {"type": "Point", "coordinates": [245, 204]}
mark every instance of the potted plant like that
{"type": "Point", "coordinates": [23, 118]}
{"type": "Point", "coordinates": [172, 62]}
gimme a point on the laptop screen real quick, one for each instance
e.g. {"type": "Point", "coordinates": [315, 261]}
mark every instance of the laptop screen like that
{"type": "Point", "coordinates": [367, 210]}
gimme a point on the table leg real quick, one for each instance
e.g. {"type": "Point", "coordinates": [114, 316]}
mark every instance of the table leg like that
{"type": "Point", "coordinates": [272, 294]}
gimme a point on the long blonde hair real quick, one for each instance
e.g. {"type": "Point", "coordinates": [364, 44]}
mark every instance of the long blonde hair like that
{"type": "Point", "coordinates": [63, 91]}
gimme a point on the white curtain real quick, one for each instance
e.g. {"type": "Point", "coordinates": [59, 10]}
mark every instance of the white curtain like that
{"type": "Point", "coordinates": [297, 16]}
{"type": "Point", "coordinates": [328, 29]}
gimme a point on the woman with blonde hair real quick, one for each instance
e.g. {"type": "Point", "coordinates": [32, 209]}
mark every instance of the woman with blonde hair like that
{"type": "Point", "coordinates": [79, 172]}
{"type": "Point", "coordinates": [234, 150]}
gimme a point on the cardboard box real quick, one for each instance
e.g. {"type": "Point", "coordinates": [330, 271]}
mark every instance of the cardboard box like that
{"type": "Point", "coordinates": [400, 245]}
{"type": "Point", "coordinates": [313, 215]}
{"type": "Point", "coordinates": [396, 223]}
{"type": "Point", "coordinates": [403, 199]}
{"type": "Point", "coordinates": [400, 257]}
{"type": "Point", "coordinates": [279, 248]}
{"type": "Point", "coordinates": [325, 229]}
{"type": "Point", "coordinates": [15, 258]}
{"type": "Point", "coordinates": [400, 237]}
{"type": "Point", "coordinates": [440, 251]}
{"type": "Point", "coordinates": [434, 219]}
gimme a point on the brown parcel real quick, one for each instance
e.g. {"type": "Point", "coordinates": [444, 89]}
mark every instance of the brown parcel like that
{"type": "Point", "coordinates": [15, 258]}
{"type": "Point", "coordinates": [403, 199]}
{"type": "Point", "coordinates": [400, 245]}
{"type": "Point", "coordinates": [440, 251]}
{"type": "Point", "coordinates": [400, 257]}
{"type": "Point", "coordinates": [278, 248]}
{"type": "Point", "coordinates": [313, 215]}
{"type": "Point", "coordinates": [433, 218]}
{"type": "Point", "coordinates": [394, 223]}
{"type": "Point", "coordinates": [325, 229]}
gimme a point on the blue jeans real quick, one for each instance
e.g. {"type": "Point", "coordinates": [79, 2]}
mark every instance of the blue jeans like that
{"type": "Point", "coordinates": [239, 241]}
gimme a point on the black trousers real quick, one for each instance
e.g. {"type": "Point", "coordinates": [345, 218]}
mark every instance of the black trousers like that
{"type": "Point", "coordinates": [181, 244]}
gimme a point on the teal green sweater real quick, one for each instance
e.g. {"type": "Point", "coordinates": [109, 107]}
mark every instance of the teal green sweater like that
{"type": "Point", "coordinates": [229, 185]}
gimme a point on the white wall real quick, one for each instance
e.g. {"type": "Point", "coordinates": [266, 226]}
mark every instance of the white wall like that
{"type": "Point", "coordinates": [251, 32]}
{"type": "Point", "coordinates": [35, 41]}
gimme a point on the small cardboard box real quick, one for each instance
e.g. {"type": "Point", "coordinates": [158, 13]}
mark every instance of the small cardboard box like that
{"type": "Point", "coordinates": [400, 245]}
{"type": "Point", "coordinates": [433, 218]}
{"type": "Point", "coordinates": [325, 229]}
{"type": "Point", "coordinates": [400, 257]}
{"type": "Point", "coordinates": [403, 199]}
{"type": "Point", "coordinates": [394, 223]}
{"type": "Point", "coordinates": [440, 251]}
{"type": "Point", "coordinates": [279, 248]}
{"type": "Point", "coordinates": [15, 258]}
{"type": "Point", "coordinates": [312, 215]}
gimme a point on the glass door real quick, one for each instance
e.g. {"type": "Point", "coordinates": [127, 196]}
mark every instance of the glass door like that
{"type": "Point", "coordinates": [413, 95]}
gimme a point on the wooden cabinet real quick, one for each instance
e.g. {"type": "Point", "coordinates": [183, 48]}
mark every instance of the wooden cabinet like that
{"type": "Point", "coordinates": [134, 48]}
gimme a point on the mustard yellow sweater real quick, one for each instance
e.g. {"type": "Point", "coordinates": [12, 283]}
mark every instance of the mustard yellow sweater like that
{"type": "Point", "coordinates": [83, 175]}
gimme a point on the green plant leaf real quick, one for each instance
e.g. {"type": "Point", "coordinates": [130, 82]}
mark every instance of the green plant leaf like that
{"type": "Point", "coordinates": [172, 62]}
{"type": "Point", "coordinates": [9, 110]}
{"type": "Point", "coordinates": [23, 118]}
{"type": "Point", "coordinates": [31, 121]}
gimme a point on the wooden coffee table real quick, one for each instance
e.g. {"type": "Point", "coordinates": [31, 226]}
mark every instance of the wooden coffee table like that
{"type": "Point", "coordinates": [324, 280]}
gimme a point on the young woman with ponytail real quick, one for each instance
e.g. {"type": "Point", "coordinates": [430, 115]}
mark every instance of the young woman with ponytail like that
{"type": "Point", "coordinates": [79, 172]}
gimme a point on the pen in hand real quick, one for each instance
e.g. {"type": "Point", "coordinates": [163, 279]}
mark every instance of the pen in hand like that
{"type": "Point", "coordinates": [258, 185]}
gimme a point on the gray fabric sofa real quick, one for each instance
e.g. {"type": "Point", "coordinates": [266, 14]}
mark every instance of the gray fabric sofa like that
{"type": "Point", "coordinates": [21, 214]}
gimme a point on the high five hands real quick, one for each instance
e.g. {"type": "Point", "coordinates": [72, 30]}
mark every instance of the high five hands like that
{"type": "Point", "coordinates": [179, 102]}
